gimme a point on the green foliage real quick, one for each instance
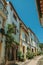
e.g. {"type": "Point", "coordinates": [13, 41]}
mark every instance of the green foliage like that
{"type": "Point", "coordinates": [35, 54]}
{"type": "Point", "coordinates": [42, 52]}
{"type": "Point", "coordinates": [41, 45]}
{"type": "Point", "coordinates": [20, 56]}
{"type": "Point", "coordinates": [28, 49]}
{"type": "Point", "coordinates": [16, 42]}
{"type": "Point", "coordinates": [38, 53]}
{"type": "Point", "coordinates": [10, 28]}
{"type": "Point", "coordinates": [9, 37]}
{"type": "Point", "coordinates": [29, 55]}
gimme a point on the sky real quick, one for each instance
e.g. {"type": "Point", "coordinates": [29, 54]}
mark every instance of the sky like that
{"type": "Point", "coordinates": [27, 11]}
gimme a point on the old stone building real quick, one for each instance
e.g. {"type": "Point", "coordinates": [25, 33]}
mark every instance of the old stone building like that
{"type": "Point", "coordinates": [3, 17]}
{"type": "Point", "coordinates": [23, 36]}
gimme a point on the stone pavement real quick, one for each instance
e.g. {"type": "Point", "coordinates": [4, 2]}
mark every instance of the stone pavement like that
{"type": "Point", "coordinates": [40, 62]}
{"type": "Point", "coordinates": [31, 62]}
{"type": "Point", "coordinates": [28, 62]}
{"type": "Point", "coordinates": [34, 61]}
{"type": "Point", "coordinates": [23, 63]}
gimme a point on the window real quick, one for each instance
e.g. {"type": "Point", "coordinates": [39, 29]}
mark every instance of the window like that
{"type": "Point", "coordinates": [14, 29]}
{"type": "Point", "coordinates": [14, 16]}
{"type": "Point", "coordinates": [11, 8]}
{"type": "Point", "coordinates": [2, 31]}
{"type": "Point", "coordinates": [1, 6]}
{"type": "Point", "coordinates": [23, 49]}
{"type": "Point", "coordinates": [26, 38]}
{"type": "Point", "coordinates": [17, 30]}
{"type": "Point", "coordinates": [31, 39]}
{"type": "Point", "coordinates": [32, 50]}
{"type": "Point", "coordinates": [0, 22]}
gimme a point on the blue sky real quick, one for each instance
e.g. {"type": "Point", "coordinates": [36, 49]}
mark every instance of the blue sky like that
{"type": "Point", "coordinates": [27, 11]}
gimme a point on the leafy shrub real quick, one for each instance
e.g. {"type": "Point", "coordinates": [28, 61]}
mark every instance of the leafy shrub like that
{"type": "Point", "coordinates": [20, 56]}
{"type": "Point", "coordinates": [34, 54]}
{"type": "Point", "coordinates": [42, 52]}
{"type": "Point", "coordinates": [39, 53]}
{"type": "Point", "coordinates": [30, 55]}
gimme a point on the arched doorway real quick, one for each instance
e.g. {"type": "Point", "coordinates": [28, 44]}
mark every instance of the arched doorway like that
{"type": "Point", "coordinates": [11, 53]}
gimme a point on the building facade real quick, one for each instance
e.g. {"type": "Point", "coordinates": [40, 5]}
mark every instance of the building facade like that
{"type": "Point", "coordinates": [12, 19]}
{"type": "Point", "coordinates": [3, 17]}
{"type": "Point", "coordinates": [23, 36]}
{"type": "Point", "coordinates": [33, 41]}
{"type": "Point", "coordinates": [23, 39]}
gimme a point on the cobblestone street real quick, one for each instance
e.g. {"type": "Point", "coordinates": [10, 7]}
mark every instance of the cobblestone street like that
{"type": "Point", "coordinates": [34, 61]}
{"type": "Point", "coordinates": [40, 62]}
{"type": "Point", "coordinates": [29, 62]}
